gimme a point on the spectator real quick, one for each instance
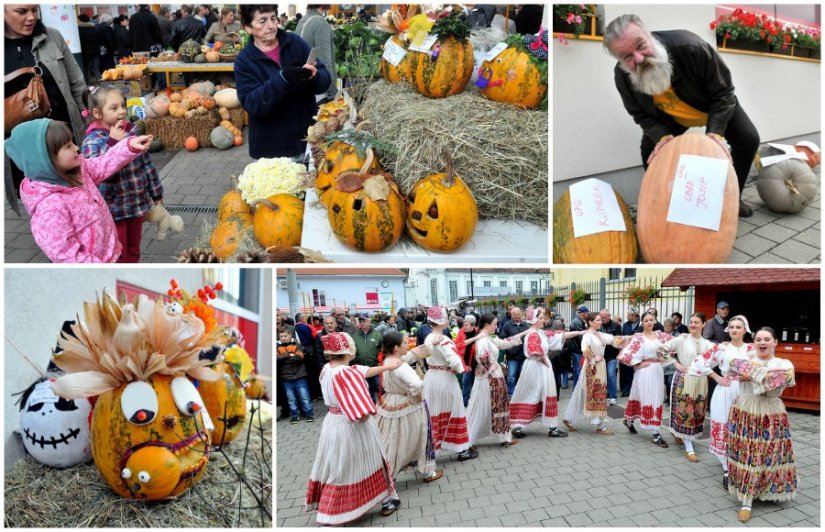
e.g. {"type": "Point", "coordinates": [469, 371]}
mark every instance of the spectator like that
{"type": "Point", "coordinates": [106, 37]}
{"type": "Point", "coordinates": [145, 30]}
{"type": "Point", "coordinates": [330, 326]}
{"type": "Point", "coordinates": [669, 369]}
{"type": "Point", "coordinates": [317, 326]}
{"type": "Point", "coordinates": [367, 346]}
{"type": "Point", "coordinates": [387, 325]}
{"type": "Point", "coordinates": [575, 344]}
{"type": "Point", "coordinates": [514, 355]}
{"type": "Point", "coordinates": [344, 325]}
{"type": "Point", "coordinates": [315, 30]}
{"type": "Point", "coordinates": [610, 352]}
{"type": "Point", "coordinates": [227, 24]}
{"type": "Point", "coordinates": [468, 355]}
{"type": "Point", "coordinates": [715, 327]}
{"type": "Point", "coordinates": [208, 16]}
{"type": "Point", "coordinates": [186, 28]}
{"type": "Point", "coordinates": [123, 41]}
{"type": "Point", "coordinates": [89, 48]}
{"type": "Point", "coordinates": [293, 376]}
{"type": "Point", "coordinates": [166, 25]}
{"type": "Point", "coordinates": [678, 326]}
{"type": "Point", "coordinates": [629, 328]}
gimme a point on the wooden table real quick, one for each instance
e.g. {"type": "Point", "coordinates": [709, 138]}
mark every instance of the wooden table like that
{"type": "Point", "coordinates": [173, 67]}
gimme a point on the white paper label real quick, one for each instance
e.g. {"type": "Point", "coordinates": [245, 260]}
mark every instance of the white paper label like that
{"type": "Point", "coordinates": [495, 50]}
{"type": "Point", "coordinates": [43, 393]}
{"type": "Point", "coordinates": [393, 54]}
{"type": "Point", "coordinates": [773, 159]}
{"type": "Point", "coordinates": [595, 208]}
{"type": "Point", "coordinates": [787, 148]}
{"type": "Point", "coordinates": [425, 46]}
{"type": "Point", "coordinates": [808, 144]}
{"type": "Point", "coordinates": [698, 192]}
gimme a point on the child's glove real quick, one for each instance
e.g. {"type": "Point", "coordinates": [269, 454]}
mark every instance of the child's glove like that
{"type": "Point", "coordinates": [159, 215]}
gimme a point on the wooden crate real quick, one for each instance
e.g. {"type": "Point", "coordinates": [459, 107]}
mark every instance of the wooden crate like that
{"type": "Point", "coordinates": [174, 131]}
{"type": "Point", "coordinates": [806, 362]}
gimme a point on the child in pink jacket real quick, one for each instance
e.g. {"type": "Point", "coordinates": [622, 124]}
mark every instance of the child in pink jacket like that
{"type": "Point", "coordinates": [70, 220]}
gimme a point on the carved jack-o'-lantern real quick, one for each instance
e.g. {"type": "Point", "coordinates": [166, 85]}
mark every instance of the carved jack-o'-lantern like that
{"type": "Point", "coordinates": [150, 430]}
{"type": "Point", "coordinates": [55, 430]}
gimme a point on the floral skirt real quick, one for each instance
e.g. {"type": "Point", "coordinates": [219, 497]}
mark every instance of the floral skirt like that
{"type": "Point", "coordinates": [488, 409]}
{"type": "Point", "coordinates": [761, 461]}
{"type": "Point", "coordinates": [595, 403]}
{"type": "Point", "coordinates": [687, 414]}
{"type": "Point", "coordinates": [646, 397]}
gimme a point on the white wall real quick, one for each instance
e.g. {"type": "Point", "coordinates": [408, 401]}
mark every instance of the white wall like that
{"type": "Point", "coordinates": [347, 290]}
{"type": "Point", "coordinates": [592, 132]}
{"type": "Point", "coordinates": [420, 294]}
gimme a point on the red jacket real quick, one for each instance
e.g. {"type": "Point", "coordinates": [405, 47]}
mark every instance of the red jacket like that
{"type": "Point", "coordinates": [468, 358]}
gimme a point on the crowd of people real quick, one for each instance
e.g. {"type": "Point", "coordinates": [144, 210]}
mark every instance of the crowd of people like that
{"type": "Point", "coordinates": [403, 399]}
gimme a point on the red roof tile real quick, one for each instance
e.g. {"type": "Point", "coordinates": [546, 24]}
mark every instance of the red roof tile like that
{"type": "Point", "coordinates": [739, 276]}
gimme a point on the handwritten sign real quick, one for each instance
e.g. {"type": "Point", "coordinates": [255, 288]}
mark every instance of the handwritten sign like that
{"type": "Point", "coordinates": [393, 54]}
{"type": "Point", "coordinates": [426, 45]}
{"type": "Point", "coordinates": [43, 393]}
{"type": "Point", "coordinates": [698, 192]}
{"type": "Point", "coordinates": [595, 208]}
{"type": "Point", "coordinates": [495, 50]}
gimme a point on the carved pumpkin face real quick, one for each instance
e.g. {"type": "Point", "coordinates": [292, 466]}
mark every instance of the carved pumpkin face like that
{"type": "Point", "coordinates": [443, 214]}
{"type": "Point", "coordinates": [226, 403]}
{"type": "Point", "coordinates": [150, 439]}
{"type": "Point", "coordinates": [340, 157]}
{"type": "Point", "coordinates": [511, 78]}
{"type": "Point", "coordinates": [55, 430]}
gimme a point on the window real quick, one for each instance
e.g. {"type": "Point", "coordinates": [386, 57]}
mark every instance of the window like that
{"type": "Point", "coordinates": [319, 297]}
{"type": "Point", "coordinates": [453, 290]}
{"type": "Point", "coordinates": [519, 286]}
{"type": "Point", "coordinates": [614, 273]}
{"type": "Point", "coordinates": [502, 284]}
{"type": "Point", "coordinates": [488, 283]}
{"type": "Point", "coordinates": [240, 287]}
{"type": "Point", "coordinates": [469, 287]}
{"type": "Point", "coordinates": [629, 273]}
{"type": "Point", "coordinates": [434, 291]}
{"type": "Point", "coordinates": [534, 287]}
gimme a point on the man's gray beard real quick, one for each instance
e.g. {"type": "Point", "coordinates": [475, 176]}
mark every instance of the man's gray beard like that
{"type": "Point", "coordinates": [654, 78]}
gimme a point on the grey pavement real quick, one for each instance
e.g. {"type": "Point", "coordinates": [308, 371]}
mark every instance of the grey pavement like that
{"type": "Point", "coordinates": [583, 480]}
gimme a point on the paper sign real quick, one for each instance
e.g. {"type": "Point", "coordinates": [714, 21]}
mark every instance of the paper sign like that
{"type": "Point", "coordinates": [698, 192]}
{"type": "Point", "coordinates": [787, 148]}
{"type": "Point", "coordinates": [43, 393]}
{"type": "Point", "coordinates": [393, 54]}
{"type": "Point", "coordinates": [495, 50]}
{"type": "Point", "coordinates": [808, 144]}
{"type": "Point", "coordinates": [425, 46]}
{"type": "Point", "coordinates": [773, 159]}
{"type": "Point", "coordinates": [595, 208]}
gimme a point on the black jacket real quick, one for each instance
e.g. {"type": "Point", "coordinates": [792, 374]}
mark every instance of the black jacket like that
{"type": "Point", "coordinates": [510, 329]}
{"type": "Point", "coordinates": [615, 329]}
{"type": "Point", "coordinates": [145, 31]}
{"type": "Point", "coordinates": [123, 42]}
{"type": "Point", "coordinates": [700, 78]}
{"type": "Point", "coordinates": [187, 28]}
{"type": "Point", "coordinates": [89, 39]}
{"type": "Point", "coordinates": [575, 344]}
{"type": "Point", "coordinates": [166, 26]}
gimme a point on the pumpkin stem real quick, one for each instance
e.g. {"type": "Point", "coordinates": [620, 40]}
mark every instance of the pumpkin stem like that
{"type": "Point", "coordinates": [367, 161]}
{"type": "Point", "coordinates": [450, 178]}
{"type": "Point", "coordinates": [361, 126]}
{"type": "Point", "coordinates": [267, 203]}
{"type": "Point", "coordinates": [791, 186]}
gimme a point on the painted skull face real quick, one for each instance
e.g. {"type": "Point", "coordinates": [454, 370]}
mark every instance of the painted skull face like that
{"type": "Point", "coordinates": [55, 430]}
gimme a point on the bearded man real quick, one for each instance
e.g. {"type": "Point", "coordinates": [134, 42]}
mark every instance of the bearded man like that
{"type": "Point", "coordinates": [670, 81]}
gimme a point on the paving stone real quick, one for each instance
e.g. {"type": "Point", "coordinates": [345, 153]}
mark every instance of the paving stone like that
{"type": "Point", "coordinates": [753, 245]}
{"type": "Point", "coordinates": [770, 258]}
{"type": "Point", "coordinates": [578, 519]}
{"type": "Point", "coordinates": [774, 232]}
{"type": "Point", "coordinates": [796, 251]}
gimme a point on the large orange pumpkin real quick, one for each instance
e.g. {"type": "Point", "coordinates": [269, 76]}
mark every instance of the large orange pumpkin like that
{"type": "Point", "coordinates": [448, 74]}
{"type": "Point", "coordinates": [225, 401]}
{"type": "Point", "coordinates": [338, 158]}
{"type": "Point", "coordinates": [673, 243]}
{"type": "Point", "coordinates": [512, 78]}
{"type": "Point", "coordinates": [145, 443]}
{"type": "Point", "coordinates": [611, 247]}
{"type": "Point", "coordinates": [442, 213]}
{"type": "Point", "coordinates": [228, 235]}
{"type": "Point", "coordinates": [278, 221]}
{"type": "Point", "coordinates": [392, 73]}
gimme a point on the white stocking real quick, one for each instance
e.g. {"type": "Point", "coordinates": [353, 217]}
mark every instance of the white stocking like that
{"type": "Point", "coordinates": [724, 461]}
{"type": "Point", "coordinates": [688, 446]}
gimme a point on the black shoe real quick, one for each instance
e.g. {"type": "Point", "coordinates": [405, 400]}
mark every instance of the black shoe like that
{"type": "Point", "coordinates": [629, 426]}
{"type": "Point", "coordinates": [744, 210]}
{"type": "Point", "coordinates": [657, 440]}
{"type": "Point", "coordinates": [310, 419]}
{"type": "Point", "coordinates": [284, 416]}
{"type": "Point", "coordinates": [295, 420]}
{"type": "Point", "coordinates": [556, 433]}
{"type": "Point", "coordinates": [389, 507]}
{"type": "Point", "coordinates": [625, 394]}
{"type": "Point", "coordinates": [518, 433]}
{"type": "Point", "coordinates": [725, 482]}
{"type": "Point", "coordinates": [564, 387]}
{"type": "Point", "coordinates": [469, 454]}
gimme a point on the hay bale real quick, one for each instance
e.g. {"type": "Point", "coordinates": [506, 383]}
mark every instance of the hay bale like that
{"type": "Point", "coordinates": [174, 131]}
{"type": "Point", "coordinates": [500, 151]}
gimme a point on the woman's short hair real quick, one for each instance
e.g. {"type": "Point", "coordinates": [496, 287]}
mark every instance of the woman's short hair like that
{"type": "Point", "coordinates": [248, 11]}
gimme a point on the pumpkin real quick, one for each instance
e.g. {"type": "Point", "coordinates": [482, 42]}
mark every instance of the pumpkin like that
{"type": "Point", "coordinates": [448, 74]}
{"type": "Point", "coordinates": [442, 212]}
{"type": "Point", "coordinates": [255, 388]}
{"type": "Point", "coordinates": [204, 88]}
{"type": "Point", "coordinates": [217, 46]}
{"type": "Point", "coordinates": [366, 210]}
{"type": "Point", "coordinates": [393, 73]}
{"type": "Point", "coordinates": [188, 50]}
{"type": "Point", "coordinates": [278, 221]}
{"type": "Point", "coordinates": [512, 78]}
{"type": "Point", "coordinates": [672, 243]}
{"type": "Point", "coordinates": [231, 127]}
{"type": "Point", "coordinates": [338, 158]}
{"type": "Point", "coordinates": [200, 58]}
{"type": "Point", "coordinates": [227, 236]}
{"type": "Point", "coordinates": [176, 97]}
{"type": "Point", "coordinates": [221, 138]}
{"type": "Point", "coordinates": [158, 459]}
{"type": "Point", "coordinates": [190, 113]}
{"type": "Point", "coordinates": [238, 140]}
{"type": "Point", "coordinates": [814, 157]}
{"type": "Point", "coordinates": [227, 98]}
{"type": "Point", "coordinates": [223, 112]}
{"type": "Point", "coordinates": [212, 56]}
{"type": "Point", "coordinates": [232, 203]}
{"type": "Point", "coordinates": [611, 247]}
{"type": "Point", "coordinates": [225, 401]}
{"type": "Point", "coordinates": [787, 186]}
{"type": "Point", "coordinates": [158, 106]}
{"type": "Point", "coordinates": [191, 143]}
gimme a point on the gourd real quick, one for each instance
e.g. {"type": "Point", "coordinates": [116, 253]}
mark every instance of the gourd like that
{"type": "Point", "coordinates": [513, 79]}
{"type": "Point", "coordinates": [278, 221]}
{"type": "Point", "coordinates": [238, 140]}
{"type": "Point", "coordinates": [177, 110]}
{"type": "Point", "coordinates": [212, 56]}
{"type": "Point", "coordinates": [448, 74]}
{"type": "Point", "coordinates": [203, 88]}
{"type": "Point", "coordinates": [231, 127]}
{"type": "Point", "coordinates": [227, 236]}
{"type": "Point", "coordinates": [227, 98]}
{"type": "Point", "coordinates": [208, 103]}
{"type": "Point", "coordinates": [232, 203]}
{"type": "Point", "coordinates": [217, 45]}
{"type": "Point", "coordinates": [200, 58]}
{"type": "Point", "coordinates": [814, 157]}
{"type": "Point", "coordinates": [221, 138]}
{"type": "Point", "coordinates": [787, 186]}
{"type": "Point", "coordinates": [255, 388]}
{"type": "Point", "coordinates": [223, 112]}
{"type": "Point", "coordinates": [672, 243]}
{"type": "Point", "coordinates": [158, 106]}
{"type": "Point", "coordinates": [191, 143]}
{"type": "Point", "coordinates": [611, 247]}
{"type": "Point", "coordinates": [442, 213]}
{"type": "Point", "coordinates": [225, 401]}
{"type": "Point", "coordinates": [188, 50]}
{"type": "Point", "coordinates": [175, 97]}
{"type": "Point", "coordinates": [392, 73]}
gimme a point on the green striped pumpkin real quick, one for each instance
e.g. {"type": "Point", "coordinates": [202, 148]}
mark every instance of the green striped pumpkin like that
{"type": "Point", "coordinates": [361, 222]}
{"type": "Point", "coordinates": [521, 85]}
{"type": "Point", "coordinates": [395, 74]}
{"type": "Point", "coordinates": [448, 74]}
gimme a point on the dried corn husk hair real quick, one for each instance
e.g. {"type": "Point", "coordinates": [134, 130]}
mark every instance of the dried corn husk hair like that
{"type": "Point", "coordinates": [116, 344]}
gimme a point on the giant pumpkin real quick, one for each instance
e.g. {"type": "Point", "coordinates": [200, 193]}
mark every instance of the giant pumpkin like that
{"type": "Point", "coordinates": [673, 243]}
{"type": "Point", "coordinates": [278, 221]}
{"type": "Point", "coordinates": [149, 429]}
{"type": "Point", "coordinates": [444, 71]}
{"type": "Point", "coordinates": [512, 77]}
{"type": "Point", "coordinates": [611, 247]}
{"type": "Point", "coordinates": [442, 212]}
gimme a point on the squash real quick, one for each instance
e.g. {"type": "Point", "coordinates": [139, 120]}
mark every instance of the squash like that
{"type": "Point", "coordinates": [448, 74]}
{"type": "Point", "coordinates": [233, 204]}
{"type": "Point", "coordinates": [513, 79]}
{"type": "Point", "coordinates": [177, 110]}
{"type": "Point", "coordinates": [227, 236]}
{"type": "Point", "coordinates": [208, 103]}
{"type": "Point", "coordinates": [672, 243]}
{"type": "Point", "coordinates": [188, 50]}
{"type": "Point", "coordinates": [157, 460]}
{"type": "Point", "coordinates": [340, 157]}
{"type": "Point", "coordinates": [231, 127]}
{"type": "Point", "coordinates": [787, 186]}
{"type": "Point", "coordinates": [225, 401]}
{"type": "Point", "coordinates": [221, 138]}
{"type": "Point", "coordinates": [238, 140]}
{"type": "Point", "coordinates": [200, 58]}
{"type": "Point", "coordinates": [190, 113]}
{"type": "Point", "coordinates": [392, 73]}
{"type": "Point", "coordinates": [255, 388]}
{"type": "Point", "coordinates": [278, 221]}
{"type": "Point", "coordinates": [176, 97]}
{"type": "Point", "coordinates": [158, 106]}
{"type": "Point", "coordinates": [212, 56]}
{"type": "Point", "coordinates": [814, 157]}
{"type": "Point", "coordinates": [203, 88]}
{"type": "Point", "coordinates": [611, 247]}
{"type": "Point", "coordinates": [442, 212]}
{"type": "Point", "coordinates": [223, 112]}
{"type": "Point", "coordinates": [191, 143]}
{"type": "Point", "coordinates": [217, 45]}
{"type": "Point", "coordinates": [227, 98]}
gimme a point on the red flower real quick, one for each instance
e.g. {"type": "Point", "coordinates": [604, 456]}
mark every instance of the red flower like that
{"type": "Point", "coordinates": [770, 40]}
{"type": "Point", "coordinates": [713, 25]}
{"type": "Point", "coordinates": [727, 36]}
{"type": "Point", "coordinates": [787, 38]}
{"type": "Point", "coordinates": [784, 46]}
{"type": "Point", "coordinates": [761, 34]}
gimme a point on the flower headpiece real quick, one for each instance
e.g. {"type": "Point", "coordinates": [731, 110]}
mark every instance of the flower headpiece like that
{"type": "Point", "coordinates": [537, 44]}
{"type": "Point", "coordinates": [338, 343]}
{"type": "Point", "coordinates": [437, 315]}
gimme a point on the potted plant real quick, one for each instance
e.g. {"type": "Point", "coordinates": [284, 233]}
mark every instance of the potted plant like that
{"type": "Point", "coordinates": [574, 18]}
{"type": "Point", "coordinates": [577, 297]}
{"type": "Point", "coordinates": [641, 296]}
{"type": "Point", "coordinates": [807, 42]}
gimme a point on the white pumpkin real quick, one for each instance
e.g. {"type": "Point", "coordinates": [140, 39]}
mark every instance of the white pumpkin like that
{"type": "Point", "coordinates": [227, 98]}
{"type": "Point", "coordinates": [787, 186]}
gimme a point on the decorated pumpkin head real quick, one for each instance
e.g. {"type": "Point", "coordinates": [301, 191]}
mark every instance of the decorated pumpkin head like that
{"type": "Point", "coordinates": [518, 74]}
{"type": "Point", "coordinates": [225, 398]}
{"type": "Point", "coordinates": [150, 430]}
{"type": "Point", "coordinates": [343, 151]}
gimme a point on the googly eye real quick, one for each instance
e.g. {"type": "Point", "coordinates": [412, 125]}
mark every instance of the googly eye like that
{"type": "Point", "coordinates": [144, 477]}
{"type": "Point", "coordinates": [186, 396]}
{"type": "Point", "coordinates": [139, 403]}
{"type": "Point", "coordinates": [126, 473]}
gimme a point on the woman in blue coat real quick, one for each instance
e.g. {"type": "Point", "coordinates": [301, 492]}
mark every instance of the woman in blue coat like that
{"type": "Point", "coordinates": [275, 85]}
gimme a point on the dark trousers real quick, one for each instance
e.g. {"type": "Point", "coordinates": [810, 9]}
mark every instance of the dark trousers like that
{"type": "Point", "coordinates": [129, 233]}
{"type": "Point", "coordinates": [741, 135]}
{"type": "Point", "coordinates": [625, 378]}
{"type": "Point", "coordinates": [555, 363]}
{"type": "Point", "coordinates": [374, 385]}
{"type": "Point", "coordinates": [314, 367]}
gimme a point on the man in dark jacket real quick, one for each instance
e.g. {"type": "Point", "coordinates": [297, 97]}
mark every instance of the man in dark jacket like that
{"type": "Point", "coordinates": [144, 30]}
{"type": "Point", "coordinates": [209, 17]}
{"type": "Point", "coordinates": [123, 41]}
{"type": "Point", "coordinates": [311, 359]}
{"type": "Point", "coordinates": [166, 26]}
{"type": "Point", "coordinates": [89, 48]}
{"type": "Point", "coordinates": [670, 81]}
{"type": "Point", "coordinates": [575, 344]}
{"type": "Point", "coordinates": [188, 27]}
{"type": "Point", "coordinates": [514, 355]}
{"type": "Point", "coordinates": [610, 353]}
{"type": "Point", "coordinates": [330, 326]}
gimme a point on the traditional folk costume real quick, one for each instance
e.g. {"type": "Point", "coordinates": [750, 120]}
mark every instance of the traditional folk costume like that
{"type": "Point", "coordinates": [589, 400]}
{"type": "Point", "coordinates": [404, 423]}
{"type": "Point", "coordinates": [647, 391]}
{"type": "Point", "coordinates": [350, 474]}
{"type": "Point", "coordinates": [488, 412]}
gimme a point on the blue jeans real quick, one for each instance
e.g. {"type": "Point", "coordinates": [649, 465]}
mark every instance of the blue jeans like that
{"type": "Point", "coordinates": [467, 385]}
{"type": "Point", "coordinates": [577, 362]}
{"type": "Point", "coordinates": [513, 373]}
{"type": "Point", "coordinates": [298, 390]}
{"type": "Point", "coordinates": [374, 384]}
{"type": "Point", "coordinates": [611, 378]}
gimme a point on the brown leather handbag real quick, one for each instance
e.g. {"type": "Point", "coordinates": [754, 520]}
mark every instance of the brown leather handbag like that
{"type": "Point", "coordinates": [29, 103]}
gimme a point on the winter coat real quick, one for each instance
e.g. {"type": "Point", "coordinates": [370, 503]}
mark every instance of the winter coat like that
{"type": "Point", "coordinates": [315, 30]}
{"type": "Point", "coordinates": [187, 28]}
{"type": "Point", "coordinates": [279, 112]}
{"type": "Point", "coordinates": [290, 360]}
{"type": "Point", "coordinates": [166, 26]}
{"type": "Point", "coordinates": [89, 40]}
{"type": "Point", "coordinates": [123, 41]}
{"type": "Point", "coordinates": [367, 346]}
{"type": "Point", "coordinates": [144, 30]}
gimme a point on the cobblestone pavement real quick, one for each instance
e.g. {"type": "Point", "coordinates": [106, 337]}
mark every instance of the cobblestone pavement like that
{"type": "Point", "coordinates": [583, 480]}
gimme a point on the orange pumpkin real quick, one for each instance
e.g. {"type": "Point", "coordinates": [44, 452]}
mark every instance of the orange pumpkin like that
{"type": "Point", "coordinates": [208, 103]}
{"type": "Point", "coordinates": [238, 140]}
{"type": "Point", "coordinates": [217, 46]}
{"type": "Point", "coordinates": [611, 247]}
{"type": "Point", "coordinates": [155, 459]}
{"type": "Point", "coordinates": [442, 213]}
{"type": "Point", "coordinates": [191, 143]}
{"type": "Point", "coordinates": [814, 157]}
{"type": "Point", "coordinates": [448, 74]}
{"type": "Point", "coordinates": [233, 204]}
{"type": "Point", "coordinates": [212, 56]}
{"type": "Point", "coordinates": [225, 401]}
{"type": "Point", "coordinates": [338, 158]}
{"type": "Point", "coordinates": [227, 236]}
{"type": "Point", "coordinates": [673, 243]}
{"type": "Point", "coordinates": [278, 221]}
{"type": "Point", "coordinates": [255, 388]}
{"type": "Point", "coordinates": [512, 78]}
{"type": "Point", "coordinates": [392, 73]}
{"type": "Point", "coordinates": [175, 97]}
